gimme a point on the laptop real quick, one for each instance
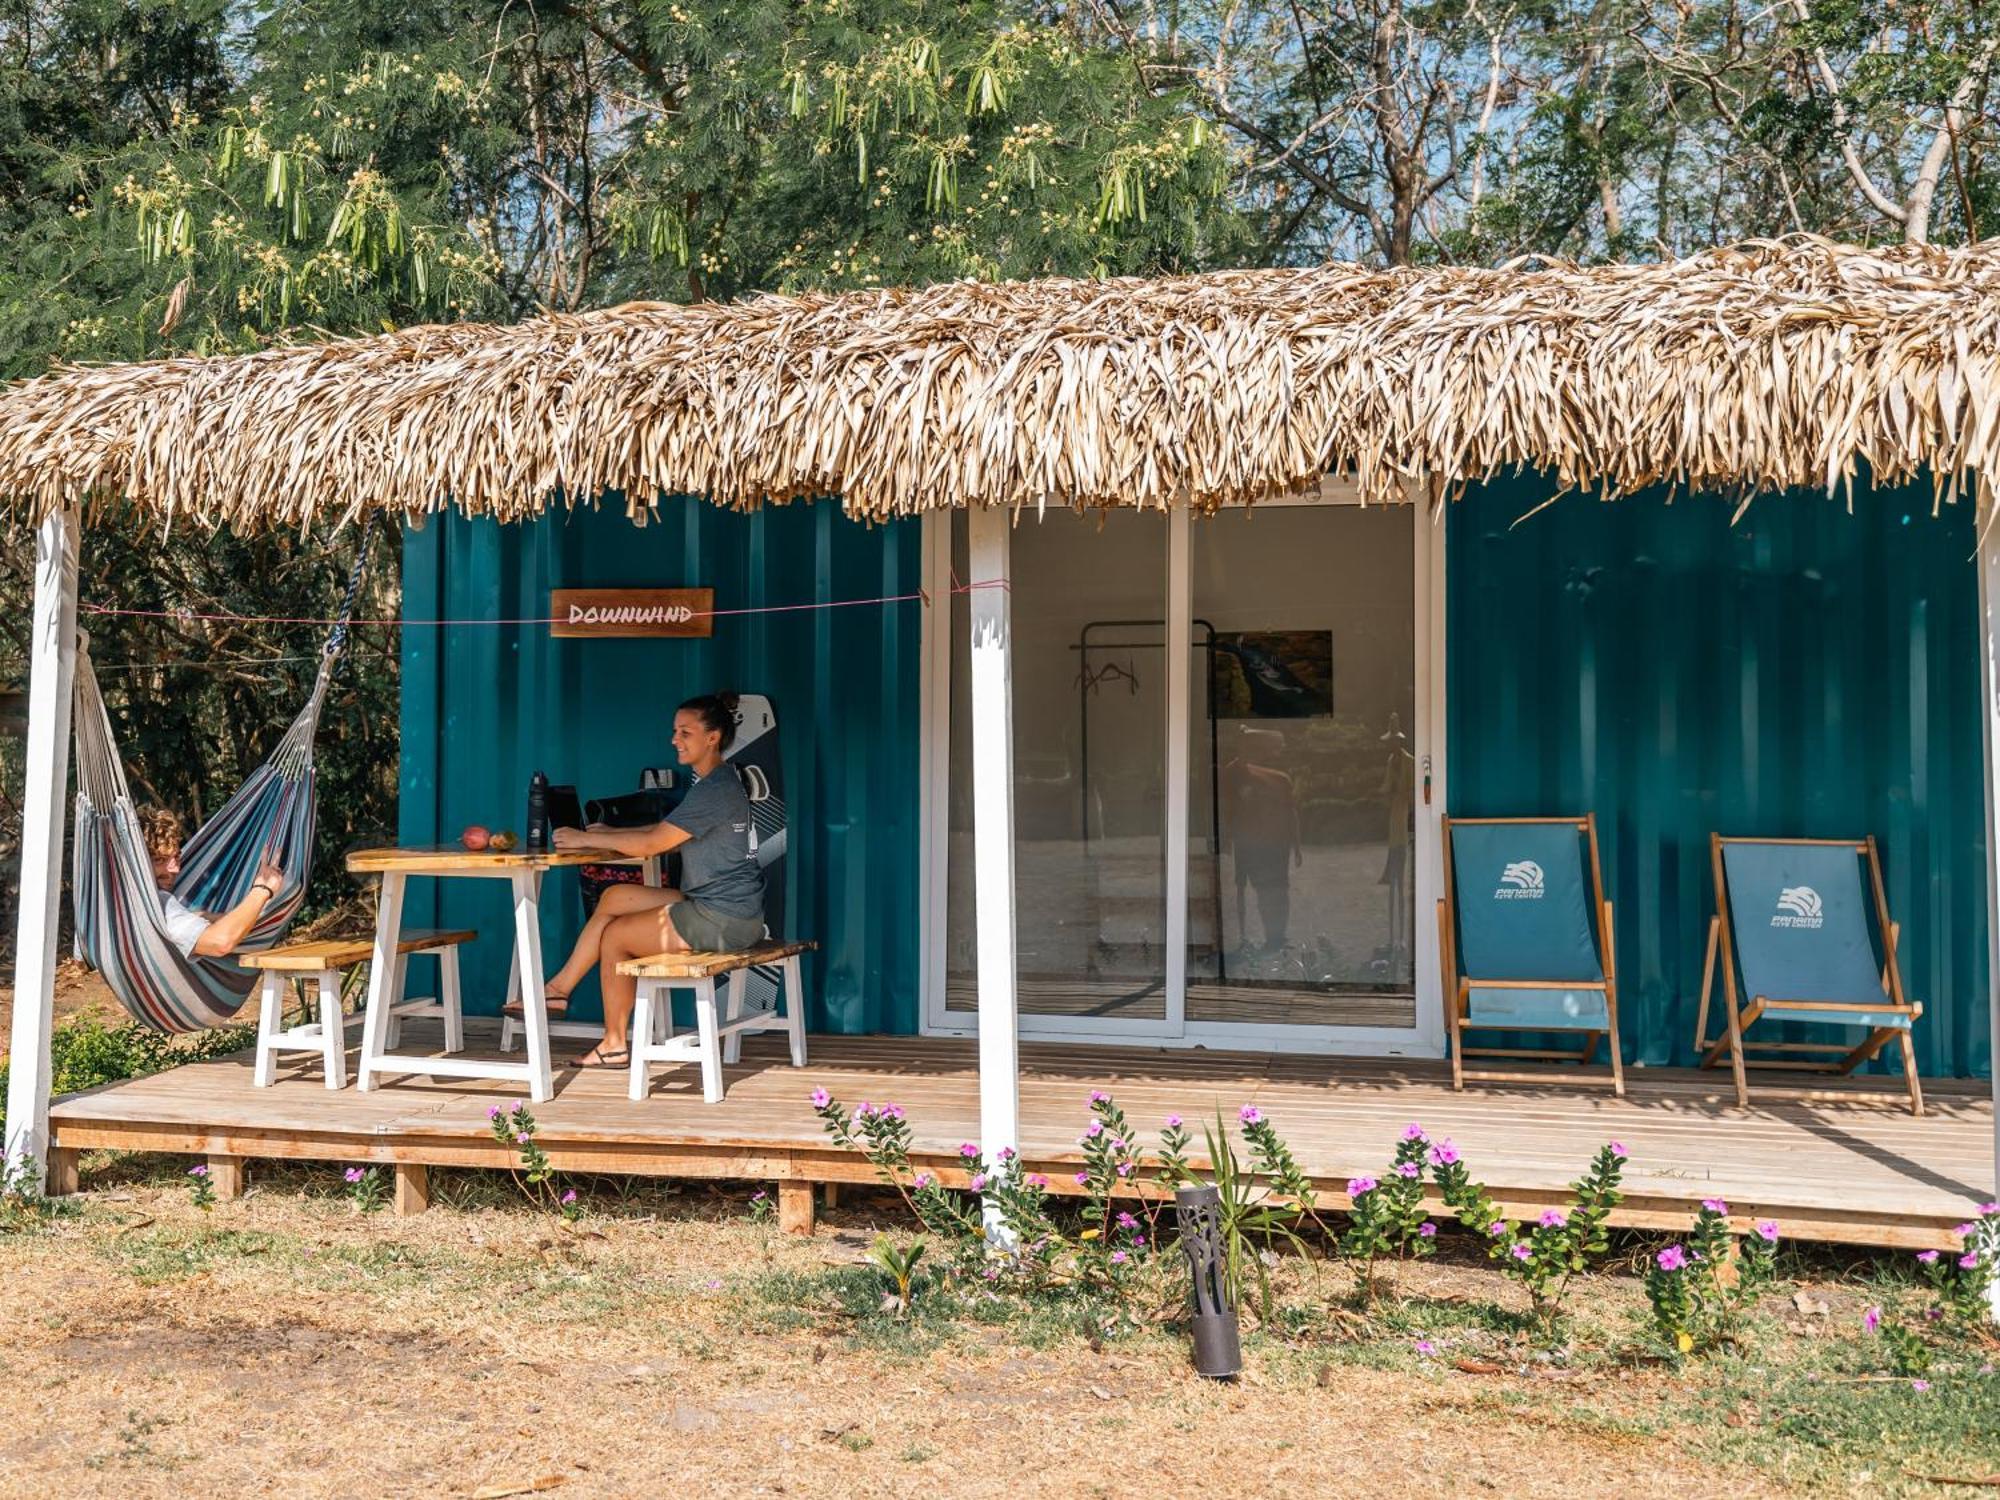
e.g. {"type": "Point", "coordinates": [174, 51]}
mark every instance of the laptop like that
{"type": "Point", "coordinates": [564, 809]}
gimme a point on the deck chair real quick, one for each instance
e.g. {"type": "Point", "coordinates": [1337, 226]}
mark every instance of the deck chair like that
{"type": "Point", "coordinates": [1524, 934]}
{"type": "Point", "coordinates": [1791, 932]}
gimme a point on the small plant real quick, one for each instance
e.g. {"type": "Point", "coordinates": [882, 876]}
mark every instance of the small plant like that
{"type": "Point", "coordinates": [1543, 1256]}
{"type": "Point", "coordinates": [200, 1189]}
{"type": "Point", "coordinates": [1247, 1211]}
{"type": "Point", "coordinates": [900, 1266]}
{"type": "Point", "coordinates": [1963, 1281]}
{"type": "Point", "coordinates": [1390, 1217]}
{"type": "Point", "coordinates": [22, 1202]}
{"type": "Point", "coordinates": [1702, 1290]}
{"type": "Point", "coordinates": [514, 1126]}
{"type": "Point", "coordinates": [763, 1207]}
{"type": "Point", "coordinates": [1909, 1353]}
{"type": "Point", "coordinates": [365, 1189]}
{"type": "Point", "coordinates": [881, 1134]}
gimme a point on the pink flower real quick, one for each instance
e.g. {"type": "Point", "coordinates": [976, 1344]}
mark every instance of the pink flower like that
{"type": "Point", "coordinates": [1098, 1096]}
{"type": "Point", "coordinates": [890, 1111]}
{"type": "Point", "coordinates": [1988, 1208]}
{"type": "Point", "coordinates": [1427, 1230]}
{"type": "Point", "coordinates": [1767, 1231]}
{"type": "Point", "coordinates": [1124, 1169]}
{"type": "Point", "coordinates": [1173, 1122]}
{"type": "Point", "coordinates": [1521, 1251]}
{"type": "Point", "coordinates": [1920, 1385]}
{"type": "Point", "coordinates": [1444, 1154]}
{"type": "Point", "coordinates": [1037, 1180]}
{"type": "Point", "coordinates": [353, 1174]}
{"type": "Point", "coordinates": [1408, 1169]}
{"type": "Point", "coordinates": [200, 1171]}
{"type": "Point", "coordinates": [1117, 1144]}
{"type": "Point", "coordinates": [1250, 1114]}
{"type": "Point", "coordinates": [1138, 1239]}
{"type": "Point", "coordinates": [1426, 1348]}
{"type": "Point", "coordinates": [1497, 1228]}
{"type": "Point", "coordinates": [522, 1138]}
{"type": "Point", "coordinates": [1618, 1150]}
{"type": "Point", "coordinates": [1715, 1205]}
{"type": "Point", "coordinates": [820, 1097]}
{"type": "Point", "coordinates": [1126, 1221]}
{"type": "Point", "coordinates": [1008, 1153]}
{"type": "Point", "coordinates": [1968, 1261]}
{"type": "Point", "coordinates": [1356, 1186]}
{"type": "Point", "coordinates": [1118, 1257]}
{"type": "Point", "coordinates": [1671, 1259]}
{"type": "Point", "coordinates": [1096, 1128]}
{"type": "Point", "coordinates": [493, 1110]}
{"type": "Point", "coordinates": [713, 1284]}
{"type": "Point", "coordinates": [1872, 1319]}
{"type": "Point", "coordinates": [862, 1111]}
{"type": "Point", "coordinates": [569, 1197]}
{"type": "Point", "coordinates": [924, 1179]}
{"type": "Point", "coordinates": [1964, 1230]}
{"type": "Point", "coordinates": [1928, 1257]}
{"type": "Point", "coordinates": [1083, 1179]}
{"type": "Point", "coordinates": [978, 1182]}
{"type": "Point", "coordinates": [1413, 1131]}
{"type": "Point", "coordinates": [968, 1151]}
{"type": "Point", "coordinates": [1553, 1218]}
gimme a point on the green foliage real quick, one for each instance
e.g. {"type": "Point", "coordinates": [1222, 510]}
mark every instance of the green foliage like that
{"type": "Point", "coordinates": [1701, 1291]}
{"type": "Point", "coordinates": [84, 1052]}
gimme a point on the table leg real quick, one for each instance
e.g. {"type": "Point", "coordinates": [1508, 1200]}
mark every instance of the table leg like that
{"type": "Point", "coordinates": [528, 975]}
{"type": "Point", "coordinates": [381, 979]}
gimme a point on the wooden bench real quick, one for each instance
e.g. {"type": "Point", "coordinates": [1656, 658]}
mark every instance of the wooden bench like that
{"type": "Point", "coordinates": [717, 1038]}
{"type": "Point", "coordinates": [318, 965]}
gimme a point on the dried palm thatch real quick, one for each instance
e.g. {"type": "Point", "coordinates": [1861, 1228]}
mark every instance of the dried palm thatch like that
{"type": "Point", "coordinates": [1758, 367]}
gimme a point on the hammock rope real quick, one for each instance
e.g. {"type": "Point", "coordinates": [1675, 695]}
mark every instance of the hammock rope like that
{"type": "Point", "coordinates": [120, 918]}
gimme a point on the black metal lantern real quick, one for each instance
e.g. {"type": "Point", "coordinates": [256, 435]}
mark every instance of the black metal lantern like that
{"type": "Point", "coordinates": [1218, 1348]}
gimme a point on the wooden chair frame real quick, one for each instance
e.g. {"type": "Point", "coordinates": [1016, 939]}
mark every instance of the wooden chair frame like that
{"type": "Point", "coordinates": [1458, 987]}
{"type": "Point", "coordinates": [1721, 944]}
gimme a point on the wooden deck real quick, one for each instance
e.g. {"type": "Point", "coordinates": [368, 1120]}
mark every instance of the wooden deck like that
{"type": "Point", "coordinates": [1846, 1169]}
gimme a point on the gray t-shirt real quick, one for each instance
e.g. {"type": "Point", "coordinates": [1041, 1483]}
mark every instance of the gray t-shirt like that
{"type": "Point", "coordinates": [719, 861]}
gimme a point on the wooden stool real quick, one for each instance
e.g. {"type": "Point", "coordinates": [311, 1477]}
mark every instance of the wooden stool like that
{"type": "Point", "coordinates": [717, 1039]}
{"type": "Point", "coordinates": [320, 965]}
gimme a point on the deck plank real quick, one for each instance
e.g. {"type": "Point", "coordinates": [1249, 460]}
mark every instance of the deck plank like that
{"type": "Point", "coordinates": [1854, 1169]}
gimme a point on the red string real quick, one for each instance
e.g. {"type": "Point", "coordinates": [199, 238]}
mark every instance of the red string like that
{"type": "Point", "coordinates": [225, 617]}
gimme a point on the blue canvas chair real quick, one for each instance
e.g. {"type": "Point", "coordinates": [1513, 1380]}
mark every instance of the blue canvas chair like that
{"type": "Point", "coordinates": [1525, 937]}
{"type": "Point", "coordinates": [1793, 936]}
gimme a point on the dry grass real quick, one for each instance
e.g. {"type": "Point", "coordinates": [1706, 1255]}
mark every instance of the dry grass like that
{"type": "Point", "coordinates": [1750, 368]}
{"type": "Point", "coordinates": [284, 1345]}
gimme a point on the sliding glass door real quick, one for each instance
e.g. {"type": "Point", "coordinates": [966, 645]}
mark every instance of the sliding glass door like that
{"type": "Point", "coordinates": [1223, 790]}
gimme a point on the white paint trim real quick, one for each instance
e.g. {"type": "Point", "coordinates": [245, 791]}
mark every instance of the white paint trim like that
{"type": "Point", "coordinates": [934, 756]}
{"type": "Point", "coordinates": [1431, 737]}
{"type": "Point", "coordinates": [1989, 734]}
{"type": "Point", "coordinates": [993, 836]}
{"type": "Point", "coordinates": [44, 805]}
{"type": "Point", "coordinates": [1179, 649]}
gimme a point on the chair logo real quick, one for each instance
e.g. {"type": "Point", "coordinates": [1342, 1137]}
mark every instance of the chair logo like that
{"type": "Point", "coordinates": [1520, 881]}
{"type": "Point", "coordinates": [1799, 906]}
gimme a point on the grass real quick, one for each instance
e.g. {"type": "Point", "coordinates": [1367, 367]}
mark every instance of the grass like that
{"type": "Point", "coordinates": [485, 1343]}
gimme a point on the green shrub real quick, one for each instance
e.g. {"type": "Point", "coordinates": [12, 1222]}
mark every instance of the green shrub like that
{"type": "Point", "coordinates": [84, 1052]}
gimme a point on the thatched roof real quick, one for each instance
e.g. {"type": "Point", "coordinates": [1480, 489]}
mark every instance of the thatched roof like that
{"type": "Point", "coordinates": [1767, 365]}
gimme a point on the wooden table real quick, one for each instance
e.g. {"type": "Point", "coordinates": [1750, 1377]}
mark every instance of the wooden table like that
{"type": "Point", "coordinates": [523, 871]}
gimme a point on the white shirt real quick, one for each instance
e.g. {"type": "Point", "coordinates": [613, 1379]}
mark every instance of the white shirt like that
{"type": "Point", "coordinates": [184, 924]}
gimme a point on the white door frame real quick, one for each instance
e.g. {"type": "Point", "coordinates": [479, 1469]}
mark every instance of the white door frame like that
{"type": "Point", "coordinates": [1424, 1040]}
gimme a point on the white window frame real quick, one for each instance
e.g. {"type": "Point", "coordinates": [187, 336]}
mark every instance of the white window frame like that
{"type": "Point", "coordinates": [1424, 1039]}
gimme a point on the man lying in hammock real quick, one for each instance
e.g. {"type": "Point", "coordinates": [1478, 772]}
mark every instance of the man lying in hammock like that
{"type": "Point", "coordinates": [200, 934]}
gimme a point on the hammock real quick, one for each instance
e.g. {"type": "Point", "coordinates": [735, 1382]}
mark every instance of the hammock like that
{"type": "Point", "coordinates": [120, 922]}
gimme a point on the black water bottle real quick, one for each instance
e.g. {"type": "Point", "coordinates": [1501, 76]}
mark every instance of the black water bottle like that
{"type": "Point", "coordinates": [538, 814]}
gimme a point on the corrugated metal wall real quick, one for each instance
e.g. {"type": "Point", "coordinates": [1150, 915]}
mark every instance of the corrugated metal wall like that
{"type": "Point", "coordinates": [1805, 672]}
{"type": "Point", "coordinates": [484, 707]}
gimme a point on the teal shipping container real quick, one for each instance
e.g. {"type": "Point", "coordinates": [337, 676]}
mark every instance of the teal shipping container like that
{"type": "Point", "coordinates": [484, 708]}
{"type": "Point", "coordinates": [1806, 671]}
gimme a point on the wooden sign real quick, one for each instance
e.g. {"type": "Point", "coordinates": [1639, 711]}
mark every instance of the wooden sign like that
{"type": "Point", "coordinates": [615, 612]}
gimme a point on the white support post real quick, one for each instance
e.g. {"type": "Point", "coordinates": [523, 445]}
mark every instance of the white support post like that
{"type": "Point", "coordinates": [993, 838]}
{"type": "Point", "coordinates": [1989, 727]}
{"type": "Point", "coordinates": [44, 803]}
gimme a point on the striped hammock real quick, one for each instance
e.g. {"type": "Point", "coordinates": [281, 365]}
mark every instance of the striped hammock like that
{"type": "Point", "coordinates": [120, 921]}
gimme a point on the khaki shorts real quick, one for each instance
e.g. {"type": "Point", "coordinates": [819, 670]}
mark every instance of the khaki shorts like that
{"type": "Point", "coordinates": [706, 930]}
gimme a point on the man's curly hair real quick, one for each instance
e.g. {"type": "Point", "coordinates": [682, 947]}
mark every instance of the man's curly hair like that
{"type": "Point", "coordinates": [161, 831]}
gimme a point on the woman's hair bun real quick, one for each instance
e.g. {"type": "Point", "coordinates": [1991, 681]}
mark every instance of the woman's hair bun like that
{"type": "Point", "coordinates": [717, 711]}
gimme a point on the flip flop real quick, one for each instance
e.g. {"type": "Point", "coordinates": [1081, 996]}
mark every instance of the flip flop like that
{"type": "Point", "coordinates": [558, 1008]}
{"type": "Point", "coordinates": [619, 1059]}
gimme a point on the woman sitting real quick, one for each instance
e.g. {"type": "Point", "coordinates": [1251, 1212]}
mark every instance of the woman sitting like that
{"type": "Point", "coordinates": [201, 934]}
{"type": "Point", "coordinates": [719, 907]}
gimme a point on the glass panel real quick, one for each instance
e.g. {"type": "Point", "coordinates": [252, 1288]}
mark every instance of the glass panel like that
{"type": "Point", "coordinates": [1088, 598]}
{"type": "Point", "coordinates": [1300, 821]}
